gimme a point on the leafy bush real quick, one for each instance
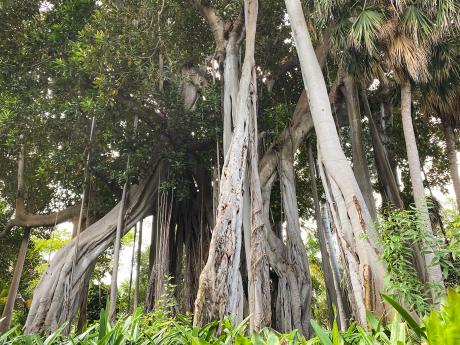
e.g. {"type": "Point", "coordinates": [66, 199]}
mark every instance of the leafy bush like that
{"type": "Point", "coordinates": [400, 230]}
{"type": "Point", "coordinates": [438, 327]}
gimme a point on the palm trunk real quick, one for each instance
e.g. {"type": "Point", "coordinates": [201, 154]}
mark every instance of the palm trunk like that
{"type": "Point", "coordinates": [360, 166]}
{"type": "Point", "coordinates": [7, 314]}
{"type": "Point", "coordinates": [370, 274]}
{"type": "Point", "coordinates": [452, 157]}
{"type": "Point", "coordinates": [434, 274]}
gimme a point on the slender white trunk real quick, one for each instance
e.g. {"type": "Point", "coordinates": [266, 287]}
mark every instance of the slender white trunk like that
{"type": "Point", "coordinates": [117, 244]}
{"type": "Point", "coordinates": [434, 273]}
{"type": "Point", "coordinates": [336, 165]}
{"type": "Point", "coordinates": [7, 314]}
{"type": "Point", "coordinates": [138, 267]}
{"type": "Point", "coordinates": [130, 285]}
{"type": "Point", "coordinates": [452, 157]}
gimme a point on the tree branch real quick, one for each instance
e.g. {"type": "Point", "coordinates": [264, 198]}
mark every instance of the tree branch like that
{"type": "Point", "coordinates": [301, 123]}
{"type": "Point", "coordinates": [215, 22]}
{"type": "Point", "coordinates": [36, 220]}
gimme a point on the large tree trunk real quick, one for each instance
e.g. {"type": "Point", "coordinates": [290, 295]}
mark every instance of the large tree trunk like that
{"type": "Point", "coordinates": [220, 288]}
{"type": "Point", "coordinates": [451, 148]}
{"type": "Point", "coordinates": [47, 313]}
{"type": "Point", "coordinates": [360, 165]}
{"type": "Point", "coordinates": [339, 172]}
{"type": "Point", "coordinates": [433, 271]}
{"type": "Point", "coordinates": [296, 251]}
{"type": "Point", "coordinates": [7, 314]}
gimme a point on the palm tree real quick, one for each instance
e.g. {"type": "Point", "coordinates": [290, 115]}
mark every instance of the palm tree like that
{"type": "Point", "coordinates": [406, 39]}
{"type": "Point", "coordinates": [439, 97]}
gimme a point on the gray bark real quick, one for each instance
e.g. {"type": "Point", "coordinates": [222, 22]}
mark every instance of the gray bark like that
{"type": "Point", "coordinates": [296, 250]}
{"type": "Point", "coordinates": [46, 313]}
{"type": "Point", "coordinates": [230, 86]}
{"type": "Point", "coordinates": [258, 268]}
{"type": "Point", "coordinates": [360, 166]}
{"type": "Point", "coordinates": [387, 178]}
{"type": "Point", "coordinates": [452, 157]}
{"type": "Point", "coordinates": [433, 271]}
{"type": "Point", "coordinates": [220, 287]}
{"type": "Point", "coordinates": [342, 309]}
{"type": "Point", "coordinates": [332, 289]}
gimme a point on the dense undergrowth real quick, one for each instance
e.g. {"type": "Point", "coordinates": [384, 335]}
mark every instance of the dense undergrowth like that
{"type": "Point", "coordinates": [163, 327]}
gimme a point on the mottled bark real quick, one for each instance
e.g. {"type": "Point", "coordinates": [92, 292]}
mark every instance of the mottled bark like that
{"type": "Point", "coordinates": [220, 288]}
{"type": "Point", "coordinates": [332, 292]}
{"type": "Point", "coordinates": [258, 268]}
{"type": "Point", "coordinates": [46, 313]}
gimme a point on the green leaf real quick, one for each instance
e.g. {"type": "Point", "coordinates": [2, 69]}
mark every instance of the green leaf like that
{"type": "Point", "coordinates": [405, 315]}
{"type": "Point", "coordinates": [322, 335]}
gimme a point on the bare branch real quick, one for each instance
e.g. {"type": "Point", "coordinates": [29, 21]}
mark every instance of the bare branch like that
{"type": "Point", "coordinates": [215, 22]}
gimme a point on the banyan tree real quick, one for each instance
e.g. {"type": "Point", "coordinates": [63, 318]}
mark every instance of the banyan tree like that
{"type": "Point", "coordinates": [199, 113]}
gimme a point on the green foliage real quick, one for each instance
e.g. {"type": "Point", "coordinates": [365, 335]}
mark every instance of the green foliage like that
{"type": "Point", "coordinates": [400, 231]}
{"type": "Point", "coordinates": [438, 327]}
